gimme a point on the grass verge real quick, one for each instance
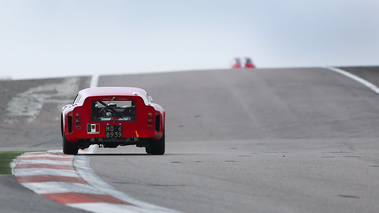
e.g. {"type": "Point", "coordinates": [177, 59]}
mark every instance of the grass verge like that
{"type": "Point", "coordinates": [6, 159]}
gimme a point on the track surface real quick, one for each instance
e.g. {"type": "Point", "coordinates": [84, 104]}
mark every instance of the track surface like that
{"type": "Point", "coordinates": [264, 140]}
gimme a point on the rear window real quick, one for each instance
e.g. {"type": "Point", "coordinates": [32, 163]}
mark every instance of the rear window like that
{"type": "Point", "coordinates": [124, 110]}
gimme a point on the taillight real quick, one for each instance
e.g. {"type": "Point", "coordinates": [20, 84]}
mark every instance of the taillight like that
{"type": "Point", "coordinates": [150, 119]}
{"type": "Point", "coordinates": [77, 121]}
{"type": "Point", "coordinates": [150, 116]}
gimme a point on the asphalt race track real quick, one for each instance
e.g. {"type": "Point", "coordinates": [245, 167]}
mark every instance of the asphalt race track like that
{"type": "Point", "coordinates": [265, 140]}
{"type": "Point", "coordinates": [262, 140]}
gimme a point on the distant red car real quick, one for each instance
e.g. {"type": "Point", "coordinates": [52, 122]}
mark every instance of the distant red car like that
{"type": "Point", "coordinates": [237, 63]}
{"type": "Point", "coordinates": [249, 63]}
{"type": "Point", "coordinates": [111, 117]}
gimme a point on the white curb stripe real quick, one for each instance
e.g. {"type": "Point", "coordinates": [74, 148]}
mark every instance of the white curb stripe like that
{"type": "Point", "coordinates": [33, 171]}
{"type": "Point", "coordinates": [114, 208]}
{"type": "Point", "coordinates": [356, 78]}
{"type": "Point", "coordinates": [52, 162]}
{"type": "Point", "coordinates": [47, 155]}
{"type": "Point", "coordinates": [60, 187]}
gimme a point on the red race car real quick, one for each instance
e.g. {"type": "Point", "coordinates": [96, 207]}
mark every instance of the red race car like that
{"type": "Point", "coordinates": [237, 63]}
{"type": "Point", "coordinates": [249, 63]}
{"type": "Point", "coordinates": [111, 117]}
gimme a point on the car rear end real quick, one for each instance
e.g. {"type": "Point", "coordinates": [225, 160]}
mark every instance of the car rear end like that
{"type": "Point", "coordinates": [113, 120]}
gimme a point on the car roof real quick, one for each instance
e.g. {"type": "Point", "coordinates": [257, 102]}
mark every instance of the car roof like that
{"type": "Point", "coordinates": [112, 91]}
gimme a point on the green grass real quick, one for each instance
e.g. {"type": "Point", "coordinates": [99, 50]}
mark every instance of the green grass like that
{"type": "Point", "coordinates": [6, 159]}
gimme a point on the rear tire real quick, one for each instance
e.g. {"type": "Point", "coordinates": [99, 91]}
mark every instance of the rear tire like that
{"type": "Point", "coordinates": [157, 147]}
{"type": "Point", "coordinates": [148, 149]}
{"type": "Point", "coordinates": [69, 148]}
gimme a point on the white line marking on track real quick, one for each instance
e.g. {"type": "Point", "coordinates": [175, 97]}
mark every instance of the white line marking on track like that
{"type": "Point", "coordinates": [356, 78]}
{"type": "Point", "coordinates": [94, 80]}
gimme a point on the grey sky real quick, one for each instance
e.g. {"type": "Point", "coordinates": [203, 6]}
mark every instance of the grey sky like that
{"type": "Point", "coordinates": [44, 38]}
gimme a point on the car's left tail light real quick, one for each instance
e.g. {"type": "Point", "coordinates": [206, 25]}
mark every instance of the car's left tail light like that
{"type": "Point", "coordinates": [77, 118]}
{"type": "Point", "coordinates": [150, 120]}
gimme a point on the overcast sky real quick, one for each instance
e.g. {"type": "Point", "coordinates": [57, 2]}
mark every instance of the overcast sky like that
{"type": "Point", "coordinates": [54, 38]}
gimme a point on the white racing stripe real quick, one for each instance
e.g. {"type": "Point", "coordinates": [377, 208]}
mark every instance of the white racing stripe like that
{"type": "Point", "coordinates": [356, 78]}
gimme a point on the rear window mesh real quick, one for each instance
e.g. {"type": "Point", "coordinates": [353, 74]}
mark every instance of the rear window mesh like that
{"type": "Point", "coordinates": [103, 110]}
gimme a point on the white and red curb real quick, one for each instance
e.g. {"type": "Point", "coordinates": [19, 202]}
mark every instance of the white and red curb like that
{"type": "Point", "coordinates": [70, 181]}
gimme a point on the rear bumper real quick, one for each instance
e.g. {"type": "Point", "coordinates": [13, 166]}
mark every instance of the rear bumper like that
{"type": "Point", "coordinates": [102, 132]}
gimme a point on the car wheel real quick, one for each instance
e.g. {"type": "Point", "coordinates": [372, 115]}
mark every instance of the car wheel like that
{"type": "Point", "coordinates": [69, 148]}
{"type": "Point", "coordinates": [148, 149]}
{"type": "Point", "coordinates": [157, 147]}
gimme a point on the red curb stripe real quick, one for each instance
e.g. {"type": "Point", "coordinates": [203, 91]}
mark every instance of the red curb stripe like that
{"type": "Point", "coordinates": [49, 178]}
{"type": "Point", "coordinates": [70, 198]}
{"type": "Point", "coordinates": [34, 153]}
{"type": "Point", "coordinates": [45, 158]}
{"type": "Point", "coordinates": [44, 166]}
{"type": "Point", "coordinates": [45, 153]}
